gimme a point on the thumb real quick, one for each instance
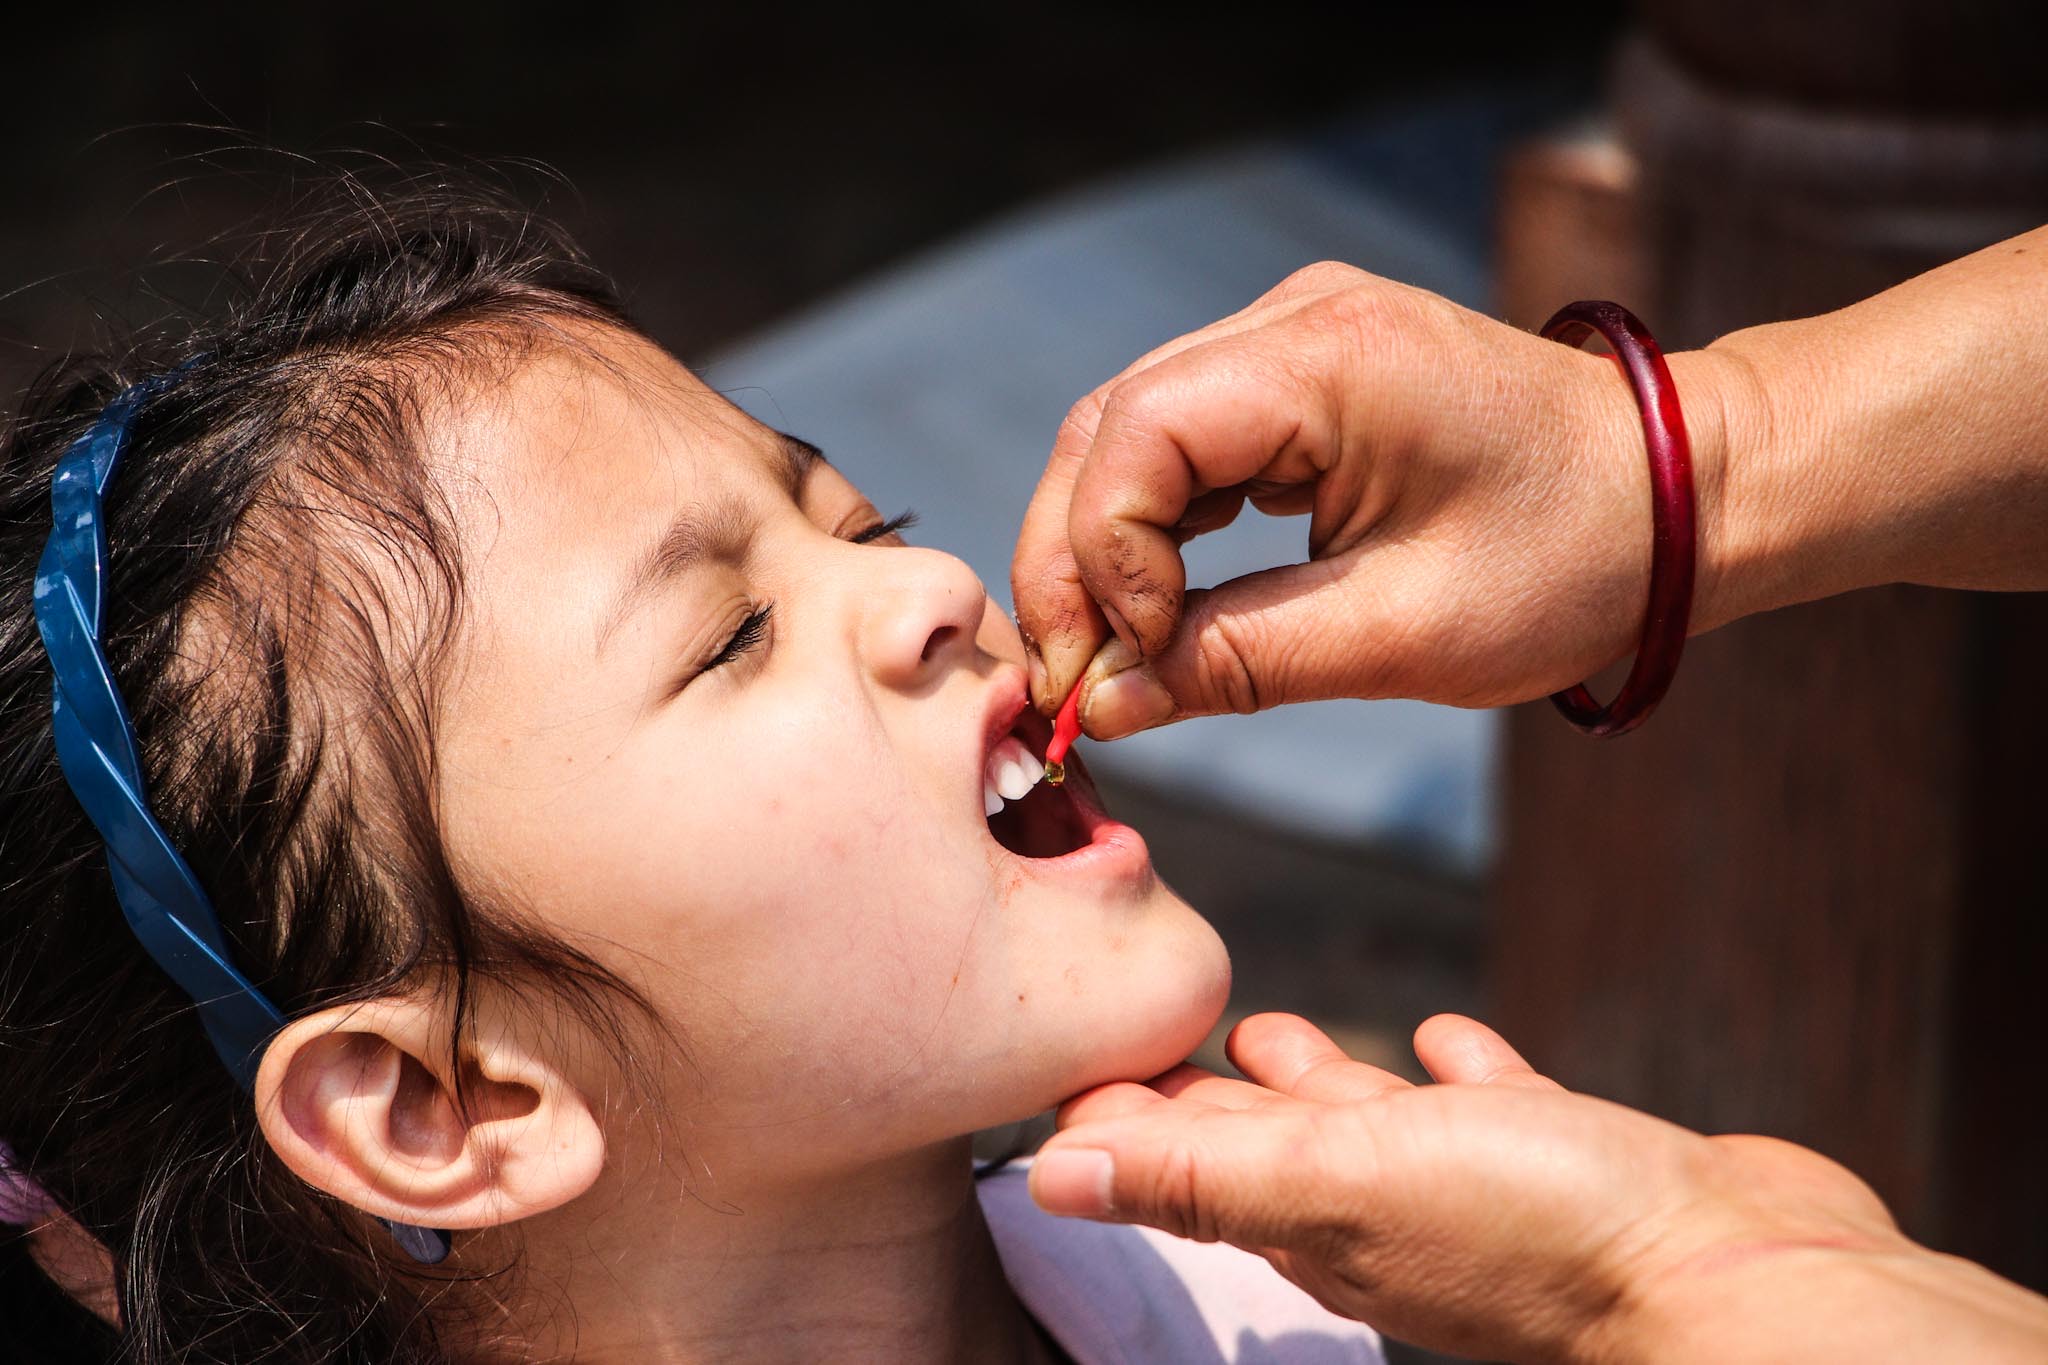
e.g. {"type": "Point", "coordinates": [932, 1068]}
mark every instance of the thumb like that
{"type": "Point", "coordinates": [1339, 627]}
{"type": "Point", "coordinates": [1211, 1175]}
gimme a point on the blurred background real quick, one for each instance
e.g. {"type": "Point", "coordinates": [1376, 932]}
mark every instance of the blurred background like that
{"type": "Point", "coordinates": [1807, 900]}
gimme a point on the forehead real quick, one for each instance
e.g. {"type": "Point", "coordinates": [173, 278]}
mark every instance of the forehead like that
{"type": "Point", "coordinates": [598, 422]}
{"type": "Point", "coordinates": [562, 468]}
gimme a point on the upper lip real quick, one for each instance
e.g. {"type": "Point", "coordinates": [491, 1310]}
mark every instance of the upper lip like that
{"type": "Point", "coordinates": [1006, 702]}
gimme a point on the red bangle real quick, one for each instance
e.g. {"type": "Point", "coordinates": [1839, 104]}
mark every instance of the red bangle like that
{"type": "Point", "coordinates": [1673, 523]}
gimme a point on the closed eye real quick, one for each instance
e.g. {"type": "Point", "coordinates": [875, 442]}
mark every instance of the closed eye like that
{"type": "Point", "coordinates": [754, 628]}
{"type": "Point", "coordinates": [895, 525]}
{"type": "Point", "coordinates": [749, 634]}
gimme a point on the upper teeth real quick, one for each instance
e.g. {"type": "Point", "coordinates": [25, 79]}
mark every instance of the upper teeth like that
{"type": "Point", "coordinates": [1008, 775]}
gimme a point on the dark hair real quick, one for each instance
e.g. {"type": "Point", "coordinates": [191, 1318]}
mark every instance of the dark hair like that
{"type": "Point", "coordinates": [282, 584]}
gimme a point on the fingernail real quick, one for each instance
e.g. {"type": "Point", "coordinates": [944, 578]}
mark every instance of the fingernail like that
{"type": "Point", "coordinates": [1075, 1181]}
{"type": "Point", "coordinates": [1131, 698]}
{"type": "Point", "coordinates": [1034, 667]}
{"type": "Point", "coordinates": [1119, 625]}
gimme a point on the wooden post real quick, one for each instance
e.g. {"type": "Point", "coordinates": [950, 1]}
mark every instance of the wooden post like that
{"type": "Point", "coordinates": [1808, 897]}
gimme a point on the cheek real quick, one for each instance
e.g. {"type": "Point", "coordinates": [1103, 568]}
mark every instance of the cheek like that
{"type": "Point", "coordinates": [801, 918]}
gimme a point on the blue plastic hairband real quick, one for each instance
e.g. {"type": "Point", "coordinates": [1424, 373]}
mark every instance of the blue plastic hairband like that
{"type": "Point", "coordinates": [160, 898]}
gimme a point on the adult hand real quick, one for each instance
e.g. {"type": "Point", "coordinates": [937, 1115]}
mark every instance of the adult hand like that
{"type": "Point", "coordinates": [1496, 1215]}
{"type": "Point", "coordinates": [1478, 498]}
{"type": "Point", "coordinates": [1478, 511]}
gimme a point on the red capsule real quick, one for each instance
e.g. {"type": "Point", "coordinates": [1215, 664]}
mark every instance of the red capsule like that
{"type": "Point", "coordinates": [1066, 728]}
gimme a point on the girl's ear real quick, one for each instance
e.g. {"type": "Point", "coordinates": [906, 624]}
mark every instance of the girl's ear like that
{"type": "Point", "coordinates": [358, 1101]}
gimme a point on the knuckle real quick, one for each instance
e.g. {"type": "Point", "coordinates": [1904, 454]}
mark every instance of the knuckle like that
{"type": "Point", "coordinates": [1322, 275]}
{"type": "Point", "coordinates": [1323, 1068]}
{"type": "Point", "coordinates": [1150, 603]}
{"type": "Point", "coordinates": [1376, 319]}
{"type": "Point", "coordinates": [1133, 404]}
{"type": "Point", "coordinates": [1364, 315]}
{"type": "Point", "coordinates": [1223, 651]}
{"type": "Point", "coordinates": [1136, 455]}
{"type": "Point", "coordinates": [1177, 1196]}
{"type": "Point", "coordinates": [1077, 429]}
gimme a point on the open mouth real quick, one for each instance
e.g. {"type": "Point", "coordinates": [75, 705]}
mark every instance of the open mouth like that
{"type": "Point", "coordinates": [1027, 815]}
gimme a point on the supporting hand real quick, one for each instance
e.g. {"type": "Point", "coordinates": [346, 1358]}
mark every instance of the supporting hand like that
{"type": "Point", "coordinates": [1497, 1215]}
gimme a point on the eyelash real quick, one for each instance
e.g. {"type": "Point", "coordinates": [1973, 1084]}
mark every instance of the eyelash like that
{"type": "Point", "coordinates": [751, 632]}
{"type": "Point", "coordinates": [902, 521]}
{"type": "Point", "coordinates": [754, 628]}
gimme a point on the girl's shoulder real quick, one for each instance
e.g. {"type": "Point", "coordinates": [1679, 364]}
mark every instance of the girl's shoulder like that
{"type": "Point", "coordinates": [1113, 1293]}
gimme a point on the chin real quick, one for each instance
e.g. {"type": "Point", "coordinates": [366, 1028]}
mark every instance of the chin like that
{"type": "Point", "coordinates": [1155, 1030]}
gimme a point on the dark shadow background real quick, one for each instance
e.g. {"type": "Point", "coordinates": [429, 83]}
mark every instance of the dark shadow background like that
{"type": "Point", "coordinates": [730, 165]}
{"type": "Point", "coordinates": [727, 165]}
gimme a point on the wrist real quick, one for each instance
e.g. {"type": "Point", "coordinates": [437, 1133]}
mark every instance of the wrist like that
{"type": "Point", "coordinates": [1776, 1300]}
{"type": "Point", "coordinates": [1774, 528]}
{"type": "Point", "coordinates": [1894, 441]}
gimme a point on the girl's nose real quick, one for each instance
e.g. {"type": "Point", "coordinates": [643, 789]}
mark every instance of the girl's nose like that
{"type": "Point", "coordinates": [920, 616]}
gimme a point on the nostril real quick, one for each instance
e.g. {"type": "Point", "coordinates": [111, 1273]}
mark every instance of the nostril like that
{"type": "Point", "coordinates": [938, 640]}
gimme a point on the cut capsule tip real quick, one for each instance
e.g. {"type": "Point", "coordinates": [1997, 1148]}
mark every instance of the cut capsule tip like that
{"type": "Point", "coordinates": [1066, 728]}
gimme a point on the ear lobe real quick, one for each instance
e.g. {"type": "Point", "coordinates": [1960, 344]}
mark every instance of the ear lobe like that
{"type": "Point", "coordinates": [357, 1101]}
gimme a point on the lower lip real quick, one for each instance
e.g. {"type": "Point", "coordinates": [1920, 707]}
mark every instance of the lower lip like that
{"type": "Point", "coordinates": [1114, 851]}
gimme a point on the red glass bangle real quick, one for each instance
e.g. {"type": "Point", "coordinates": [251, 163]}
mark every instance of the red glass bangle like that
{"type": "Point", "coordinates": [1673, 522]}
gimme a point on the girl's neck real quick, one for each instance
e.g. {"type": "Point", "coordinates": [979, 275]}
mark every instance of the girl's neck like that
{"type": "Point", "coordinates": [892, 1261]}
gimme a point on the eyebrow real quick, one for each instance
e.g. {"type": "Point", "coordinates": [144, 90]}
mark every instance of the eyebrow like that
{"type": "Point", "coordinates": [720, 531]}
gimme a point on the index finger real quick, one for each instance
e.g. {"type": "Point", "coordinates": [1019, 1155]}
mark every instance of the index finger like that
{"type": "Point", "coordinates": [1246, 405]}
{"type": "Point", "coordinates": [1288, 1054]}
{"type": "Point", "coordinates": [1061, 624]}
{"type": "Point", "coordinates": [1063, 627]}
{"type": "Point", "coordinates": [1457, 1050]}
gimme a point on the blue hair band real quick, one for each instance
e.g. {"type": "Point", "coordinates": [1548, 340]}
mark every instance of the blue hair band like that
{"type": "Point", "coordinates": [160, 898]}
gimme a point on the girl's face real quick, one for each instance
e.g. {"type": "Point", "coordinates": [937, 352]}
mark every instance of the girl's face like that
{"type": "Point", "coordinates": [710, 719]}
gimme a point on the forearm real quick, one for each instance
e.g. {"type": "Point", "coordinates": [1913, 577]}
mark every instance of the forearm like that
{"type": "Point", "coordinates": [1904, 439]}
{"type": "Point", "coordinates": [1904, 1304]}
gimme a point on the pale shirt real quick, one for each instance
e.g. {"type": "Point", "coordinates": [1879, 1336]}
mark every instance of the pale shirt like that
{"type": "Point", "coordinates": [1112, 1294]}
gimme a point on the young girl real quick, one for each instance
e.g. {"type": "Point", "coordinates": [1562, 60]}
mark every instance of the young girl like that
{"type": "Point", "coordinates": [624, 822]}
